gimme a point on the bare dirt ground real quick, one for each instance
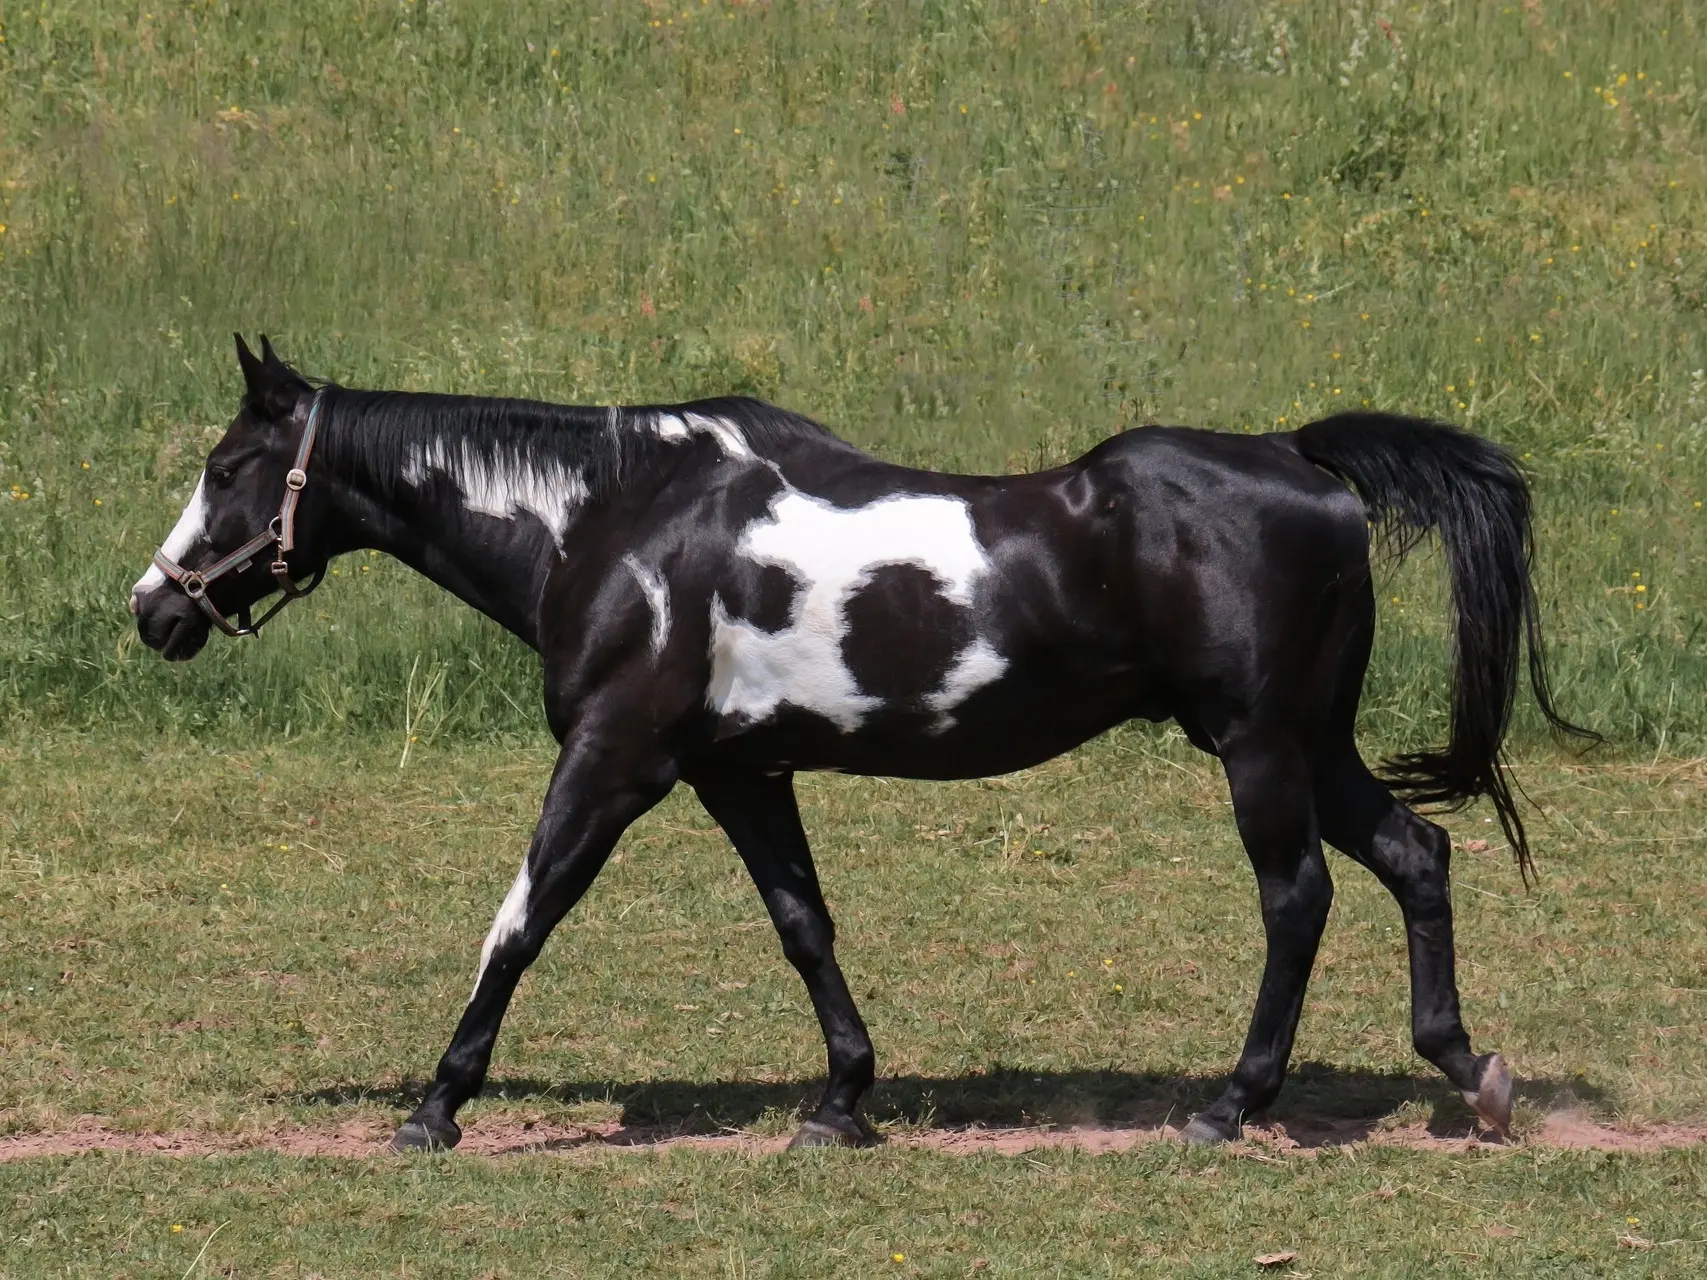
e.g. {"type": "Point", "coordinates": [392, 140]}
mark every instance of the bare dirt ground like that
{"type": "Point", "coordinates": [1561, 1130]}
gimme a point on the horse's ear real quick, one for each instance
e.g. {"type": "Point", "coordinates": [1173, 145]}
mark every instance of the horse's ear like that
{"type": "Point", "coordinates": [254, 380]}
{"type": "Point", "coordinates": [271, 387]}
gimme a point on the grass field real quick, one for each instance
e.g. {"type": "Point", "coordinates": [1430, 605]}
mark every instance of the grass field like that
{"type": "Point", "coordinates": [966, 235]}
{"type": "Point", "coordinates": [249, 944]}
{"type": "Point", "coordinates": [1162, 1212]}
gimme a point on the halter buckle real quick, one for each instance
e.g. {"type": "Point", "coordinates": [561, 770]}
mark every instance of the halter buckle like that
{"type": "Point", "coordinates": [295, 479]}
{"type": "Point", "coordinates": [194, 587]}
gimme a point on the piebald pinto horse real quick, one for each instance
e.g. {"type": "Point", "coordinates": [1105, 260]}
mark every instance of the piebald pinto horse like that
{"type": "Point", "coordinates": [723, 593]}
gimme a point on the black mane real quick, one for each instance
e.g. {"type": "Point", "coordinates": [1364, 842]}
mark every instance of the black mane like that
{"type": "Point", "coordinates": [378, 433]}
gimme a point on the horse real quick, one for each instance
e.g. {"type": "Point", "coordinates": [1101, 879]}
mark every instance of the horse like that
{"type": "Point", "coordinates": [724, 593]}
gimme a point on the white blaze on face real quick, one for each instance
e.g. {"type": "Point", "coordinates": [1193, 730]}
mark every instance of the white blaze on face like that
{"type": "Point", "coordinates": [833, 552]}
{"type": "Point", "coordinates": [511, 918]}
{"type": "Point", "coordinates": [501, 487]}
{"type": "Point", "coordinates": [192, 524]}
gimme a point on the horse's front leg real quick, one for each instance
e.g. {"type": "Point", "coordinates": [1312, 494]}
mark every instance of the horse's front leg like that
{"type": "Point", "coordinates": [602, 783]}
{"type": "Point", "coordinates": [762, 820]}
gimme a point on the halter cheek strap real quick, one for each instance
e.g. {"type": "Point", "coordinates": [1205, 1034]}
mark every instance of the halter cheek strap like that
{"type": "Point", "coordinates": [280, 535]}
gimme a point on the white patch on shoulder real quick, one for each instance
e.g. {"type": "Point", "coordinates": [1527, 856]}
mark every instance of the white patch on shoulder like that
{"type": "Point", "coordinates": [503, 486]}
{"type": "Point", "coordinates": [670, 427]}
{"type": "Point", "coordinates": [657, 593]}
{"type": "Point", "coordinates": [191, 525]}
{"type": "Point", "coordinates": [833, 551]}
{"type": "Point", "coordinates": [511, 918]}
{"type": "Point", "coordinates": [678, 427]}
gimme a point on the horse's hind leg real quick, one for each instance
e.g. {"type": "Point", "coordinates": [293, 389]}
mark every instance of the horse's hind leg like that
{"type": "Point", "coordinates": [1412, 858]}
{"type": "Point", "coordinates": [1270, 783]}
{"type": "Point", "coordinates": [763, 822]}
{"type": "Point", "coordinates": [600, 785]}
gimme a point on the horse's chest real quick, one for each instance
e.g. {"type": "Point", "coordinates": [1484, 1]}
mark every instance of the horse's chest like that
{"type": "Point", "coordinates": [847, 612]}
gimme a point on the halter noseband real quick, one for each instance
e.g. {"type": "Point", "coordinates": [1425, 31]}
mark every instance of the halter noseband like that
{"type": "Point", "coordinates": [280, 534]}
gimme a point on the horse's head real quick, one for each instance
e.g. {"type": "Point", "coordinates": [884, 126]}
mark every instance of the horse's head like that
{"type": "Point", "coordinates": [229, 546]}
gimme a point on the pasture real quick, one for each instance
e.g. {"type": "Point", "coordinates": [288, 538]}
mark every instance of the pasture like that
{"type": "Point", "coordinates": [242, 899]}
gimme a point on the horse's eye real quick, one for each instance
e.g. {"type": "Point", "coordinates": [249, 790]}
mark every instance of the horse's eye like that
{"type": "Point", "coordinates": [219, 475]}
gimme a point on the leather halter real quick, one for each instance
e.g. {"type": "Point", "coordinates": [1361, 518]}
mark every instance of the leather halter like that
{"type": "Point", "coordinates": [280, 534]}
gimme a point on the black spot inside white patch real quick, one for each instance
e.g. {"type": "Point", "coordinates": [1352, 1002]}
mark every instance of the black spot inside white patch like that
{"type": "Point", "coordinates": [903, 635]}
{"type": "Point", "coordinates": [763, 597]}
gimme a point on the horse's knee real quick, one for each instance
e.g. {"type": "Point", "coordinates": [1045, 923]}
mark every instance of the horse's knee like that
{"type": "Point", "coordinates": [1316, 891]}
{"type": "Point", "coordinates": [808, 938]}
{"type": "Point", "coordinates": [1301, 902]}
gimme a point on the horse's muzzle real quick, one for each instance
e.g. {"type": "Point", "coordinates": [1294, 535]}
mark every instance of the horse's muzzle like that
{"type": "Point", "coordinates": [170, 623]}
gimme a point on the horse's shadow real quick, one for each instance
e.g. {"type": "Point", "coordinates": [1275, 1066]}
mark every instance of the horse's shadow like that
{"type": "Point", "coordinates": [1322, 1105]}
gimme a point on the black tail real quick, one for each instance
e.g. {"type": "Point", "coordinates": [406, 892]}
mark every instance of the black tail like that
{"type": "Point", "coordinates": [1414, 476]}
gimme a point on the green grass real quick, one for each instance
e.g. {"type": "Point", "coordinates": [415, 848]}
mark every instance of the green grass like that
{"type": "Point", "coordinates": [974, 235]}
{"type": "Point", "coordinates": [233, 940]}
{"type": "Point", "coordinates": [1162, 1212]}
{"type": "Point", "coordinates": [239, 941]}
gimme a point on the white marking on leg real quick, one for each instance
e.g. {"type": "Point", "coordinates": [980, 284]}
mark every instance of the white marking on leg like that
{"type": "Point", "coordinates": [833, 551]}
{"type": "Point", "coordinates": [192, 524]}
{"type": "Point", "coordinates": [512, 917]}
{"type": "Point", "coordinates": [657, 593]}
{"type": "Point", "coordinates": [501, 486]}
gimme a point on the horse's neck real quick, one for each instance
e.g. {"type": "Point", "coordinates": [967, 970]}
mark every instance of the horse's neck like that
{"type": "Point", "coordinates": [497, 566]}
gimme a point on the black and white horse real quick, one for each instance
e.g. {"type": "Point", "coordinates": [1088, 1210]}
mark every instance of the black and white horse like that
{"type": "Point", "coordinates": [723, 593]}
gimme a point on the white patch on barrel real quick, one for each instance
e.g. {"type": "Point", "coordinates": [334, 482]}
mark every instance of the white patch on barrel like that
{"type": "Point", "coordinates": [657, 593]}
{"type": "Point", "coordinates": [978, 665]}
{"type": "Point", "coordinates": [511, 918]}
{"type": "Point", "coordinates": [833, 551]}
{"type": "Point", "coordinates": [191, 525]}
{"type": "Point", "coordinates": [503, 486]}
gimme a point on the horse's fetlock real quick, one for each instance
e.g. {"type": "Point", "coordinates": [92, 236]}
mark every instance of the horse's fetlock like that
{"type": "Point", "coordinates": [1433, 1043]}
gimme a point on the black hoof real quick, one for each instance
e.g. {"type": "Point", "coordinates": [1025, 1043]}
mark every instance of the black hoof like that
{"type": "Point", "coordinates": [430, 1135]}
{"type": "Point", "coordinates": [832, 1133]}
{"type": "Point", "coordinates": [1204, 1132]}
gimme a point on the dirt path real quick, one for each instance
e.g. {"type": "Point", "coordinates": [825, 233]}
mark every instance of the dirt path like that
{"type": "Point", "coordinates": [1561, 1130]}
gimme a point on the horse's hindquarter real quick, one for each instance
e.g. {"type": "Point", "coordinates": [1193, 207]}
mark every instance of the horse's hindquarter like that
{"type": "Point", "coordinates": [1250, 568]}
